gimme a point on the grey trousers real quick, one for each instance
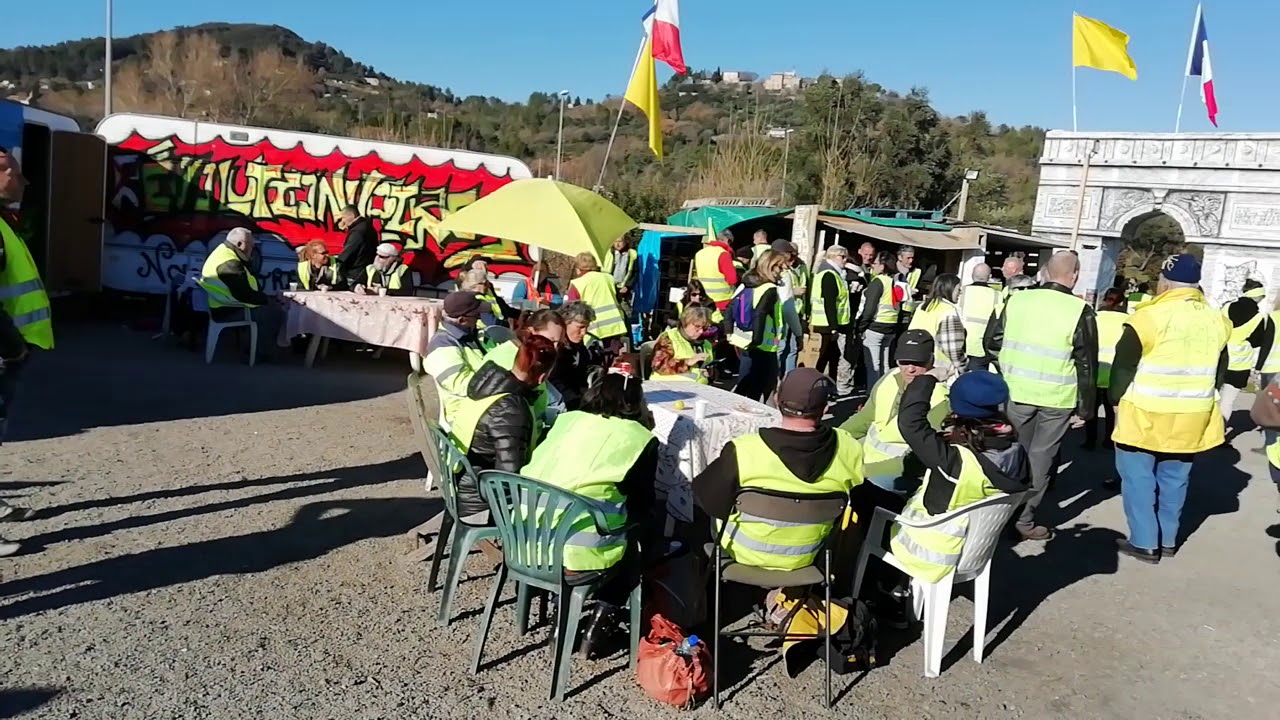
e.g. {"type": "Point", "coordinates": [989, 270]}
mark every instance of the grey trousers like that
{"type": "Point", "coordinates": [1040, 432]}
{"type": "Point", "coordinates": [876, 349]}
{"type": "Point", "coordinates": [844, 368]}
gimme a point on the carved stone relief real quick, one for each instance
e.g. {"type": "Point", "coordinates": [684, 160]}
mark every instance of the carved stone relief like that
{"type": "Point", "coordinates": [1205, 209]}
{"type": "Point", "coordinates": [1116, 203]}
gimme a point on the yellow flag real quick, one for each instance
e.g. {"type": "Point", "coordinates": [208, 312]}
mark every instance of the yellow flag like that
{"type": "Point", "coordinates": [643, 93]}
{"type": "Point", "coordinates": [1097, 45]}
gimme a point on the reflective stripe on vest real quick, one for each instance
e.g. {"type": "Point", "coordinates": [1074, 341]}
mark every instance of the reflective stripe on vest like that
{"type": "Point", "coordinates": [909, 304]}
{"type": "Point", "coordinates": [466, 420]}
{"type": "Point", "coordinates": [218, 292]}
{"type": "Point", "coordinates": [396, 281]}
{"type": "Point", "coordinates": [683, 350]}
{"type": "Point", "coordinates": [772, 338]}
{"type": "Point", "coordinates": [930, 319]}
{"type": "Point", "coordinates": [1035, 357]}
{"type": "Point", "coordinates": [1272, 363]}
{"type": "Point", "coordinates": [843, 314]}
{"type": "Point", "coordinates": [597, 290]}
{"type": "Point", "coordinates": [887, 309]}
{"type": "Point", "coordinates": [1240, 354]}
{"type": "Point", "coordinates": [977, 305]}
{"type": "Point", "coordinates": [706, 265]}
{"type": "Point", "coordinates": [777, 545]}
{"type": "Point", "coordinates": [304, 273]}
{"type": "Point", "coordinates": [1178, 369]}
{"type": "Point", "coordinates": [1110, 329]}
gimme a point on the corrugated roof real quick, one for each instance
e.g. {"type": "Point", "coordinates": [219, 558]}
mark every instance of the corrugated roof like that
{"type": "Point", "coordinates": [722, 216]}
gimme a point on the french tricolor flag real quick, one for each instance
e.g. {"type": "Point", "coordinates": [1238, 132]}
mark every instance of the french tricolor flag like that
{"type": "Point", "coordinates": [662, 23]}
{"type": "Point", "coordinates": [1199, 65]}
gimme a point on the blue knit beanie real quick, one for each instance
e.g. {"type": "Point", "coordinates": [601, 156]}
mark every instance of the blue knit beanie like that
{"type": "Point", "coordinates": [978, 395]}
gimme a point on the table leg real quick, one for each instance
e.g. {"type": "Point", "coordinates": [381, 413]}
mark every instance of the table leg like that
{"type": "Point", "coordinates": [313, 346]}
{"type": "Point", "coordinates": [415, 362]}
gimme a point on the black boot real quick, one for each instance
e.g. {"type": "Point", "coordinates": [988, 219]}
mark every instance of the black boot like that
{"type": "Point", "coordinates": [601, 636]}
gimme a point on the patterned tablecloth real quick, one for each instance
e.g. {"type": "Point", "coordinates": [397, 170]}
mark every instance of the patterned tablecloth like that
{"type": "Point", "coordinates": [689, 444]}
{"type": "Point", "coordinates": [395, 322]}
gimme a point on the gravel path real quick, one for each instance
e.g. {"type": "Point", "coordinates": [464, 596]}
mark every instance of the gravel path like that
{"type": "Point", "coordinates": [227, 542]}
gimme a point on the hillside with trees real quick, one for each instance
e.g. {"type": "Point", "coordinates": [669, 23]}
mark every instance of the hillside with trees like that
{"type": "Point", "coordinates": [852, 143]}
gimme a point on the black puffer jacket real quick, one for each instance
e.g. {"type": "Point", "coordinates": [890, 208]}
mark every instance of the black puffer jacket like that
{"type": "Point", "coordinates": [504, 435]}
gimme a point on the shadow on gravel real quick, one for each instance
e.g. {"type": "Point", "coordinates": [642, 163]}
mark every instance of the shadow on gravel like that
{"type": "Point", "coordinates": [316, 529]}
{"type": "Point", "coordinates": [103, 375]}
{"type": "Point", "coordinates": [1214, 489]}
{"type": "Point", "coordinates": [23, 700]}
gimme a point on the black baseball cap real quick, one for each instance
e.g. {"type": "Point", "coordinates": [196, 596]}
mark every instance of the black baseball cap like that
{"type": "Point", "coordinates": [805, 392]}
{"type": "Point", "coordinates": [915, 347]}
{"type": "Point", "coordinates": [460, 305]}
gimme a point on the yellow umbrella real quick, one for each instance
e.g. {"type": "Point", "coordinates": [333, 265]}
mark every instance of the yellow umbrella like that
{"type": "Point", "coordinates": [544, 213]}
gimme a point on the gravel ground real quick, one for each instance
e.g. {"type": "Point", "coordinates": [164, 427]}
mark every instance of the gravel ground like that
{"type": "Point", "coordinates": [227, 542]}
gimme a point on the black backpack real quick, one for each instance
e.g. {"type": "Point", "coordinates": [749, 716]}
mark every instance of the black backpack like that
{"type": "Point", "coordinates": [854, 646]}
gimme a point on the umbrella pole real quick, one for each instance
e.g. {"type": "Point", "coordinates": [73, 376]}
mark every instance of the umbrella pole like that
{"type": "Point", "coordinates": [618, 121]}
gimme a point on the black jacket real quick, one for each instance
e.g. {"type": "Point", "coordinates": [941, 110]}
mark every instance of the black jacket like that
{"type": "Point", "coordinates": [1004, 461]}
{"type": "Point", "coordinates": [503, 438]}
{"type": "Point", "coordinates": [829, 295]}
{"type": "Point", "coordinates": [235, 275]}
{"type": "Point", "coordinates": [807, 454]}
{"type": "Point", "coordinates": [574, 363]}
{"type": "Point", "coordinates": [870, 305]}
{"type": "Point", "coordinates": [763, 309]}
{"type": "Point", "coordinates": [1084, 350]}
{"type": "Point", "coordinates": [358, 250]}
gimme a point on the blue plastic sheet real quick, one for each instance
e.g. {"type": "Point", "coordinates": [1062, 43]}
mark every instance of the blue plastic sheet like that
{"type": "Point", "coordinates": [10, 125]}
{"type": "Point", "coordinates": [647, 255]}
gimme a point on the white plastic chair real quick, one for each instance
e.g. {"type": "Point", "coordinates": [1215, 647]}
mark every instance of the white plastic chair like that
{"type": "Point", "coordinates": [987, 519]}
{"type": "Point", "coordinates": [216, 328]}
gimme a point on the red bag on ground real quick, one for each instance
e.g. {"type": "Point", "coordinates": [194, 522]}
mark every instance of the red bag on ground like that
{"type": "Point", "coordinates": [666, 676]}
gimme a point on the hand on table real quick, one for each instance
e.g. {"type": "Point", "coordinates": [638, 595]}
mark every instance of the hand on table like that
{"type": "Point", "coordinates": [360, 290]}
{"type": "Point", "coordinates": [323, 288]}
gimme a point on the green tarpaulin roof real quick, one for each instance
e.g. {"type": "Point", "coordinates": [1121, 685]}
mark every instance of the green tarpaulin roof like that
{"type": "Point", "coordinates": [723, 216]}
{"type": "Point", "coordinates": [888, 222]}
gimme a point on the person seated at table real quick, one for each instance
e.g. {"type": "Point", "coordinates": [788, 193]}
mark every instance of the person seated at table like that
{"type": "Point", "coordinates": [694, 294]}
{"type": "Point", "coordinates": [875, 425]}
{"type": "Point", "coordinates": [494, 425]}
{"type": "Point", "coordinates": [387, 275]}
{"type": "Point", "coordinates": [496, 312]}
{"type": "Point", "coordinates": [545, 323]}
{"type": "Point", "coordinates": [228, 281]}
{"type": "Point", "coordinates": [680, 352]}
{"type": "Point", "coordinates": [580, 354]}
{"type": "Point", "coordinates": [317, 270]}
{"type": "Point", "coordinates": [801, 456]}
{"type": "Point", "coordinates": [597, 289]}
{"type": "Point", "coordinates": [537, 287]}
{"type": "Point", "coordinates": [455, 353]}
{"type": "Point", "coordinates": [606, 452]}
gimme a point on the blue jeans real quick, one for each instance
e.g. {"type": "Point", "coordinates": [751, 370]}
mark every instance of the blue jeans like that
{"type": "Point", "coordinates": [790, 354]}
{"type": "Point", "coordinates": [1154, 487]}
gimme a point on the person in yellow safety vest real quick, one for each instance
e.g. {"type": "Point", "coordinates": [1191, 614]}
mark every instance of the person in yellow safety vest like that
{"type": "Point", "coordinates": [1111, 317]}
{"type": "Point", "coordinates": [545, 323]}
{"type": "Point", "coordinates": [1140, 295]}
{"type": "Point", "coordinates": [1046, 342]}
{"type": "Point", "coordinates": [801, 456]}
{"type": "Point", "coordinates": [494, 312]}
{"type": "Point", "coordinates": [1248, 331]}
{"type": "Point", "coordinates": [494, 426]}
{"type": "Point", "coordinates": [231, 287]}
{"type": "Point", "coordinates": [793, 328]}
{"type": "Point", "coordinates": [695, 296]}
{"type": "Point", "coordinates": [713, 267]}
{"type": "Point", "coordinates": [976, 455]}
{"type": "Point", "coordinates": [907, 277]}
{"type": "Point", "coordinates": [620, 263]}
{"type": "Point", "coordinates": [878, 322]}
{"type": "Point", "coordinates": [582, 356]}
{"type": "Point", "coordinates": [1171, 356]}
{"type": "Point", "coordinates": [833, 319]}
{"type": "Point", "coordinates": [756, 314]}
{"type": "Point", "coordinates": [455, 353]}
{"type": "Point", "coordinates": [597, 290]}
{"type": "Point", "coordinates": [875, 425]}
{"type": "Point", "coordinates": [606, 453]}
{"type": "Point", "coordinates": [680, 352]}
{"type": "Point", "coordinates": [1269, 369]}
{"type": "Point", "coordinates": [25, 318]}
{"type": "Point", "coordinates": [386, 275]}
{"type": "Point", "coordinates": [978, 302]}
{"type": "Point", "coordinates": [759, 245]}
{"type": "Point", "coordinates": [317, 270]}
{"type": "Point", "coordinates": [940, 317]}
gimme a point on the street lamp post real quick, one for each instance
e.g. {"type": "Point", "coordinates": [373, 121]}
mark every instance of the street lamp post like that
{"type": "Point", "coordinates": [969, 176]}
{"type": "Point", "coordinates": [106, 74]}
{"type": "Point", "coordinates": [560, 134]}
{"type": "Point", "coordinates": [785, 134]}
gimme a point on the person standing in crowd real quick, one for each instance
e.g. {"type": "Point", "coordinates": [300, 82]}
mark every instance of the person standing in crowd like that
{"type": "Point", "coordinates": [792, 298]}
{"type": "Point", "coordinates": [833, 318]}
{"type": "Point", "coordinates": [695, 296]}
{"type": "Point", "coordinates": [759, 245]}
{"type": "Point", "coordinates": [455, 353]}
{"type": "Point", "coordinates": [878, 322]}
{"type": "Point", "coordinates": [907, 277]}
{"type": "Point", "coordinates": [598, 290]}
{"type": "Point", "coordinates": [978, 303]}
{"type": "Point", "coordinates": [1171, 355]}
{"type": "Point", "coordinates": [875, 425]}
{"type": "Point", "coordinates": [545, 323]}
{"type": "Point", "coordinates": [228, 280]}
{"type": "Point", "coordinates": [25, 318]}
{"type": "Point", "coordinates": [1111, 317]}
{"type": "Point", "coordinates": [620, 262]}
{"type": "Point", "coordinates": [713, 267]}
{"type": "Point", "coordinates": [317, 270]}
{"type": "Point", "coordinates": [386, 275]}
{"type": "Point", "coordinates": [537, 287]}
{"type": "Point", "coordinates": [615, 459]}
{"type": "Point", "coordinates": [680, 352]}
{"type": "Point", "coordinates": [1268, 366]}
{"type": "Point", "coordinates": [360, 245]}
{"type": "Point", "coordinates": [757, 316]}
{"type": "Point", "coordinates": [1141, 293]}
{"type": "Point", "coordinates": [1012, 266]}
{"type": "Point", "coordinates": [1248, 332]}
{"type": "Point", "coordinates": [580, 353]}
{"type": "Point", "coordinates": [802, 456]}
{"type": "Point", "coordinates": [940, 317]}
{"type": "Point", "coordinates": [1046, 342]}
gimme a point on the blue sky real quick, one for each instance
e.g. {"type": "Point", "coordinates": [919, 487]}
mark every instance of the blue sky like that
{"type": "Point", "coordinates": [1010, 58]}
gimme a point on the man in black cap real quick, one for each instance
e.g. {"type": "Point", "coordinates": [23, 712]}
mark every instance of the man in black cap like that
{"type": "Point", "coordinates": [455, 352]}
{"type": "Point", "coordinates": [799, 457]}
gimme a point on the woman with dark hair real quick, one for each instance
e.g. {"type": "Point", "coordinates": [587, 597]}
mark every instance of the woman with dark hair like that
{"type": "Point", "coordinates": [940, 317]}
{"type": "Point", "coordinates": [495, 425]}
{"type": "Point", "coordinates": [1112, 314]}
{"type": "Point", "coordinates": [878, 321]}
{"type": "Point", "coordinates": [695, 295]}
{"type": "Point", "coordinates": [606, 452]}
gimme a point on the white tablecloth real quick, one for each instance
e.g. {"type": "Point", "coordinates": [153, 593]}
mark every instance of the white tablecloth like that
{"type": "Point", "coordinates": [689, 445]}
{"type": "Point", "coordinates": [396, 322]}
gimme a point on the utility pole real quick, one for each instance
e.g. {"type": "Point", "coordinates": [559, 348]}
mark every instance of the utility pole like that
{"type": "Point", "coordinates": [560, 134]}
{"type": "Point", "coordinates": [106, 73]}
{"type": "Point", "coordinates": [1084, 183]}
{"type": "Point", "coordinates": [969, 176]}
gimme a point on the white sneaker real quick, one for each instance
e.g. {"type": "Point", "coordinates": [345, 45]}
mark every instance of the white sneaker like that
{"type": "Point", "coordinates": [14, 513]}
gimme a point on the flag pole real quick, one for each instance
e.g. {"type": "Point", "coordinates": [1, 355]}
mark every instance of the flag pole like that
{"type": "Point", "coordinates": [1075, 124]}
{"type": "Point", "coordinates": [618, 121]}
{"type": "Point", "coordinates": [1191, 51]}
{"type": "Point", "coordinates": [1177, 124]}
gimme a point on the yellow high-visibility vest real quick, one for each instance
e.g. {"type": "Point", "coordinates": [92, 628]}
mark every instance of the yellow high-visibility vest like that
{"type": "Point", "coordinates": [741, 337]}
{"type": "Point", "coordinates": [684, 351]}
{"type": "Point", "coordinates": [883, 447]}
{"type": "Point", "coordinates": [1035, 356]}
{"type": "Point", "coordinates": [977, 304]}
{"type": "Point", "coordinates": [396, 281]}
{"type": "Point", "coordinates": [909, 303]}
{"type": "Point", "coordinates": [930, 318]}
{"type": "Point", "coordinates": [706, 265]}
{"type": "Point", "coordinates": [218, 292]}
{"type": "Point", "coordinates": [1272, 363]}
{"type": "Point", "coordinates": [1110, 328]}
{"type": "Point", "coordinates": [843, 313]}
{"type": "Point", "coordinates": [304, 272]}
{"type": "Point", "coordinates": [22, 293]}
{"type": "Point", "coordinates": [1240, 354]}
{"type": "Point", "coordinates": [887, 309]}
{"type": "Point", "coordinates": [1178, 371]}
{"type": "Point", "coordinates": [597, 290]}
{"type": "Point", "coordinates": [607, 267]}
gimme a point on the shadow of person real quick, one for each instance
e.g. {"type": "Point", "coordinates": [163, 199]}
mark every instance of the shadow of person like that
{"type": "Point", "coordinates": [19, 701]}
{"type": "Point", "coordinates": [1214, 489]}
{"type": "Point", "coordinates": [316, 529]}
{"type": "Point", "coordinates": [1077, 487]}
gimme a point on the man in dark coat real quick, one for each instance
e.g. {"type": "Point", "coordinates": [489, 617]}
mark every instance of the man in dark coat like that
{"type": "Point", "coordinates": [359, 247]}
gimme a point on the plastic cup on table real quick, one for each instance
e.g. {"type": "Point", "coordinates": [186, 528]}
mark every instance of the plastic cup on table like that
{"type": "Point", "coordinates": [382, 292]}
{"type": "Point", "coordinates": [700, 411]}
{"type": "Point", "coordinates": [293, 287]}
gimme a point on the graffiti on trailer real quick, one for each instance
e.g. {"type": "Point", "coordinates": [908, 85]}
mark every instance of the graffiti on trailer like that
{"type": "Point", "coordinates": [191, 192]}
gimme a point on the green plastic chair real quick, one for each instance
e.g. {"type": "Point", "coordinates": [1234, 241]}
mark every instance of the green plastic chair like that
{"type": "Point", "coordinates": [533, 555]}
{"type": "Point", "coordinates": [451, 462]}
